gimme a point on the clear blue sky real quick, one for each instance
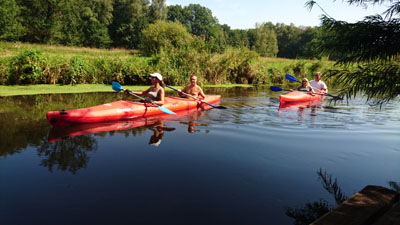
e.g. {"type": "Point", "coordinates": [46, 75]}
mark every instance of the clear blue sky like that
{"type": "Point", "coordinates": [244, 14]}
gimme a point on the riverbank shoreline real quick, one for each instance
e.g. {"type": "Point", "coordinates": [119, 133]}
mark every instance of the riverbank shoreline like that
{"type": "Point", "coordinates": [14, 90]}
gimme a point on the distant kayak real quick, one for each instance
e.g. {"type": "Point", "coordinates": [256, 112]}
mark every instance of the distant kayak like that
{"type": "Point", "coordinates": [299, 96]}
{"type": "Point", "coordinates": [123, 110]}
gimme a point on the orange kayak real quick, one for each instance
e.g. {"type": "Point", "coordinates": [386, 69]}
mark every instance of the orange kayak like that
{"type": "Point", "coordinates": [58, 133]}
{"type": "Point", "coordinates": [299, 96]}
{"type": "Point", "coordinates": [123, 110]}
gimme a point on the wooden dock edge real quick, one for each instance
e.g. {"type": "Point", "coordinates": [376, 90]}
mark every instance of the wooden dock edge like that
{"type": "Point", "coordinates": [373, 205]}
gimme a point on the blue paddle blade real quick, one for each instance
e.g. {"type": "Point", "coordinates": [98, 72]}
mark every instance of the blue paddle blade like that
{"type": "Point", "coordinates": [167, 111]}
{"type": "Point", "coordinates": [275, 88]}
{"type": "Point", "coordinates": [116, 86]}
{"type": "Point", "coordinates": [291, 78]}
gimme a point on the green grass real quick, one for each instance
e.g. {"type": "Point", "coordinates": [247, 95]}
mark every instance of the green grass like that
{"type": "Point", "coordinates": [13, 90]}
{"type": "Point", "coordinates": [9, 49]}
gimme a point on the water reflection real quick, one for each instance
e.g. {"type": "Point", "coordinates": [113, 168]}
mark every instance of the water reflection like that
{"type": "Point", "coordinates": [58, 133]}
{"type": "Point", "coordinates": [67, 146]}
{"type": "Point", "coordinates": [244, 156]}
{"type": "Point", "coordinates": [312, 211]}
{"type": "Point", "coordinates": [301, 109]}
{"type": "Point", "coordinates": [158, 128]}
{"type": "Point", "coordinates": [193, 121]}
{"type": "Point", "coordinates": [67, 155]}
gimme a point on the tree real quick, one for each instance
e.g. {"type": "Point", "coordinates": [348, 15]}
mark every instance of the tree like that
{"type": "Point", "coordinates": [158, 10]}
{"type": "Point", "coordinates": [163, 35]}
{"type": "Point", "coordinates": [369, 51]}
{"type": "Point", "coordinates": [129, 19]}
{"type": "Point", "coordinates": [197, 19]}
{"type": "Point", "coordinates": [288, 40]}
{"type": "Point", "coordinates": [265, 42]}
{"type": "Point", "coordinates": [308, 38]}
{"type": "Point", "coordinates": [41, 19]}
{"type": "Point", "coordinates": [11, 28]}
{"type": "Point", "coordinates": [176, 13]}
{"type": "Point", "coordinates": [73, 22]}
{"type": "Point", "coordinates": [96, 17]}
{"type": "Point", "coordinates": [238, 38]}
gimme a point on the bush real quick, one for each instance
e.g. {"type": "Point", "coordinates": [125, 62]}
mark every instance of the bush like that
{"type": "Point", "coordinates": [76, 71]}
{"type": "Point", "coordinates": [28, 68]}
{"type": "Point", "coordinates": [163, 35]}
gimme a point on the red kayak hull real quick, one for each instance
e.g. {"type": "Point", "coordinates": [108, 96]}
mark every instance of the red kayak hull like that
{"type": "Point", "coordinates": [299, 96]}
{"type": "Point", "coordinates": [58, 133]}
{"type": "Point", "coordinates": [123, 110]}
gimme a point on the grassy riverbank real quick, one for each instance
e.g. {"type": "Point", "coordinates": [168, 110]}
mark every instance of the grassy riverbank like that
{"type": "Point", "coordinates": [26, 64]}
{"type": "Point", "coordinates": [13, 90]}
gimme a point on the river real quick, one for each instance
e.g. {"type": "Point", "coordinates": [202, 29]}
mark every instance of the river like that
{"type": "Point", "coordinates": [253, 163]}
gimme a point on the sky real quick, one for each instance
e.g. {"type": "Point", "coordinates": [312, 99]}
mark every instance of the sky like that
{"type": "Point", "coordinates": [244, 14]}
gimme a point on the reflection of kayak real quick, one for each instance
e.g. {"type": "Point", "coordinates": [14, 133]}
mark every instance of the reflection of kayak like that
{"type": "Point", "coordinates": [123, 110]}
{"type": "Point", "coordinates": [296, 106]}
{"type": "Point", "coordinates": [299, 96]}
{"type": "Point", "coordinates": [57, 133]}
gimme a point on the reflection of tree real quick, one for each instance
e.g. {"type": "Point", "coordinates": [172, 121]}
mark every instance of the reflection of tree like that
{"type": "Point", "coordinates": [23, 122]}
{"type": "Point", "coordinates": [395, 186]}
{"type": "Point", "coordinates": [314, 210]}
{"type": "Point", "coordinates": [69, 154]}
{"type": "Point", "coordinates": [332, 186]}
{"type": "Point", "coordinates": [309, 213]}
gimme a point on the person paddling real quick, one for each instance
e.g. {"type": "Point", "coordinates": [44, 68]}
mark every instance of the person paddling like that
{"type": "Point", "coordinates": [192, 89]}
{"type": "Point", "coordinates": [155, 93]}
{"type": "Point", "coordinates": [318, 84]}
{"type": "Point", "coordinates": [305, 86]}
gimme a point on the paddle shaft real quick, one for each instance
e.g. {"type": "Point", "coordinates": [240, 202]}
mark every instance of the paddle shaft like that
{"type": "Point", "coordinates": [140, 97]}
{"type": "Point", "coordinates": [218, 107]}
{"type": "Point", "coordinates": [159, 107]}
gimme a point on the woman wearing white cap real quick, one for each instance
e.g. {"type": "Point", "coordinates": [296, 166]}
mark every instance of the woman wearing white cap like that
{"type": "Point", "coordinates": [155, 93]}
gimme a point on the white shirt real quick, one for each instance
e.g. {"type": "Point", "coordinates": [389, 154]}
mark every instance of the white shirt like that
{"type": "Point", "coordinates": [318, 85]}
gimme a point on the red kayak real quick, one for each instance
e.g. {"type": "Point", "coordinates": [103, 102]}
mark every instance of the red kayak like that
{"type": "Point", "coordinates": [299, 96]}
{"type": "Point", "coordinates": [58, 133]}
{"type": "Point", "coordinates": [123, 110]}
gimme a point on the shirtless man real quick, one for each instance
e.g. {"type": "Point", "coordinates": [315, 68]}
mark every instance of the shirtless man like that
{"type": "Point", "coordinates": [193, 89]}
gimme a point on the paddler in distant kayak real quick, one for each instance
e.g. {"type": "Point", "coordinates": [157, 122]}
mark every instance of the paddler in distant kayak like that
{"type": "Point", "coordinates": [305, 86]}
{"type": "Point", "coordinates": [193, 89]}
{"type": "Point", "coordinates": [318, 84]}
{"type": "Point", "coordinates": [155, 93]}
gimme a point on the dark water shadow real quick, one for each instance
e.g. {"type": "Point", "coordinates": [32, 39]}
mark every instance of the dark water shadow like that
{"type": "Point", "coordinates": [312, 211]}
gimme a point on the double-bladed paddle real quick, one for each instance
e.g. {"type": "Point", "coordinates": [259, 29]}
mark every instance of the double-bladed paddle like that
{"type": "Point", "coordinates": [117, 87]}
{"type": "Point", "coordinates": [276, 89]}
{"type": "Point", "coordinates": [291, 78]}
{"type": "Point", "coordinates": [214, 106]}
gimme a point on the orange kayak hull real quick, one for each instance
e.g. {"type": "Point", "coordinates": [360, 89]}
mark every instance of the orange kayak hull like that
{"type": "Point", "coordinates": [123, 110]}
{"type": "Point", "coordinates": [299, 96]}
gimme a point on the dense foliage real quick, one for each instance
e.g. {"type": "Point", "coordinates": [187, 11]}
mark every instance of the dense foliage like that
{"type": "Point", "coordinates": [46, 64]}
{"type": "Point", "coordinates": [121, 23]}
{"type": "Point", "coordinates": [369, 51]}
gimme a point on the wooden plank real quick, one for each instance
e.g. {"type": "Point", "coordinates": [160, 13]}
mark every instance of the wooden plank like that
{"type": "Point", "coordinates": [392, 217]}
{"type": "Point", "coordinates": [362, 208]}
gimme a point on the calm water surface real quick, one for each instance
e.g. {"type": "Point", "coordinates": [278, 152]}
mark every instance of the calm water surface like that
{"type": "Point", "coordinates": [249, 164]}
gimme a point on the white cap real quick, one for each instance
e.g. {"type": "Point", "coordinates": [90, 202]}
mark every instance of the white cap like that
{"type": "Point", "coordinates": [159, 77]}
{"type": "Point", "coordinates": [157, 143]}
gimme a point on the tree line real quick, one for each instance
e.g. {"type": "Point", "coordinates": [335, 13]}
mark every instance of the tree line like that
{"type": "Point", "coordinates": [123, 23]}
